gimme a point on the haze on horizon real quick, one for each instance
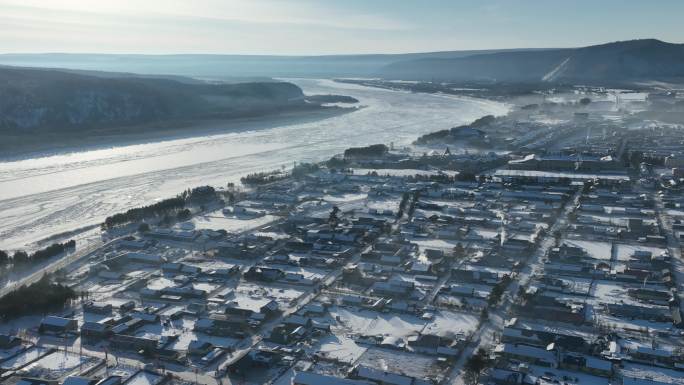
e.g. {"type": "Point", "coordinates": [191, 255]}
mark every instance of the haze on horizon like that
{"type": "Point", "coordinates": [308, 27]}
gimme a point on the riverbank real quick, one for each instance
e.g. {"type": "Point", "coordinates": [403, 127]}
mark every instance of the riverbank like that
{"type": "Point", "coordinates": [22, 147]}
{"type": "Point", "coordinates": [44, 196]}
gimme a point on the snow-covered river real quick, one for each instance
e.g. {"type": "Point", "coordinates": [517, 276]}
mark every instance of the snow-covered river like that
{"type": "Point", "coordinates": [43, 196]}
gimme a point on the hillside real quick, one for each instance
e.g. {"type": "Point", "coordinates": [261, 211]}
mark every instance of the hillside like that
{"type": "Point", "coordinates": [34, 101]}
{"type": "Point", "coordinates": [229, 67]}
{"type": "Point", "coordinates": [625, 61]}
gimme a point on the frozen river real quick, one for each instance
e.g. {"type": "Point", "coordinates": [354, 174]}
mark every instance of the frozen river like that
{"type": "Point", "coordinates": [43, 196]}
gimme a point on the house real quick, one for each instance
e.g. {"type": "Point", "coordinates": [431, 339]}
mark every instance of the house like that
{"type": "Point", "coordinates": [127, 306]}
{"type": "Point", "coordinates": [35, 381]}
{"type": "Point", "coordinates": [270, 308]}
{"type": "Point", "coordinates": [259, 357]}
{"type": "Point", "coordinates": [221, 326]}
{"type": "Point", "coordinates": [240, 250]}
{"type": "Point", "coordinates": [173, 235]}
{"type": "Point", "coordinates": [58, 325]}
{"type": "Point", "coordinates": [111, 380]}
{"type": "Point", "coordinates": [527, 353]}
{"type": "Point", "coordinates": [150, 259]}
{"type": "Point", "coordinates": [662, 356]}
{"type": "Point", "coordinates": [79, 380]}
{"type": "Point", "coordinates": [264, 274]}
{"type": "Point", "coordinates": [652, 312]}
{"type": "Point", "coordinates": [133, 343]}
{"type": "Point", "coordinates": [384, 378]}
{"type": "Point", "coordinates": [184, 292]}
{"type": "Point", "coordinates": [433, 344]}
{"type": "Point", "coordinates": [134, 244]}
{"type": "Point", "coordinates": [555, 309]}
{"type": "Point", "coordinates": [394, 288]}
{"type": "Point", "coordinates": [288, 333]}
{"type": "Point", "coordinates": [9, 342]}
{"type": "Point", "coordinates": [502, 376]}
{"type": "Point", "coordinates": [95, 330]}
{"type": "Point", "coordinates": [434, 254]}
{"type": "Point", "coordinates": [297, 320]}
{"type": "Point", "coordinates": [584, 363]}
{"type": "Point", "coordinates": [313, 309]}
{"type": "Point", "coordinates": [197, 347]}
{"type": "Point", "coordinates": [97, 308]}
{"type": "Point", "coordinates": [542, 337]}
{"type": "Point", "coordinates": [472, 275]}
{"type": "Point", "coordinates": [308, 378]}
{"type": "Point", "coordinates": [461, 290]}
{"type": "Point", "coordinates": [180, 268]}
{"type": "Point", "coordinates": [126, 325]}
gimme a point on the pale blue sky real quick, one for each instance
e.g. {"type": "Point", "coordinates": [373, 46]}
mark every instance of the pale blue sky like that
{"type": "Point", "coordinates": [326, 26]}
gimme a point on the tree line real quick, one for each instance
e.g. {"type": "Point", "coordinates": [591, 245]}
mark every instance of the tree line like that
{"type": "Point", "coordinates": [264, 177]}
{"type": "Point", "coordinates": [372, 151]}
{"type": "Point", "coordinates": [40, 297]}
{"type": "Point", "coordinates": [175, 206]}
{"type": "Point", "coordinates": [260, 178]}
{"type": "Point", "coordinates": [21, 259]}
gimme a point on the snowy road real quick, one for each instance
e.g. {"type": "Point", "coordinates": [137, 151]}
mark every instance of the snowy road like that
{"type": "Point", "coordinates": [485, 337]}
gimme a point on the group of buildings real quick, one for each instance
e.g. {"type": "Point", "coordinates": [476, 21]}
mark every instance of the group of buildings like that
{"type": "Point", "coordinates": [563, 267]}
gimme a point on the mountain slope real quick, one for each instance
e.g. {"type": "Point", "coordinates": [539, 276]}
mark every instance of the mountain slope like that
{"type": "Point", "coordinates": [613, 62]}
{"type": "Point", "coordinates": [229, 66]}
{"type": "Point", "coordinates": [33, 100]}
{"type": "Point", "coordinates": [628, 60]}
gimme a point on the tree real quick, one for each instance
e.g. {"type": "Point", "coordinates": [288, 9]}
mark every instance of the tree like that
{"type": "Point", "coordinates": [402, 205]}
{"type": "Point", "coordinates": [301, 170]}
{"type": "Point", "coordinates": [474, 366]}
{"type": "Point", "coordinates": [459, 251]}
{"type": "Point", "coordinates": [39, 297]}
{"type": "Point", "coordinates": [333, 220]}
{"type": "Point", "coordinates": [484, 315]}
{"type": "Point", "coordinates": [143, 227]}
{"type": "Point", "coordinates": [183, 215]}
{"type": "Point", "coordinates": [20, 258]}
{"type": "Point", "coordinates": [635, 159]}
{"type": "Point", "coordinates": [4, 258]}
{"type": "Point", "coordinates": [498, 290]}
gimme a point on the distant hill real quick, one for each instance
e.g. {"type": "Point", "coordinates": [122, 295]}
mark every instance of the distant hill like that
{"type": "Point", "coordinates": [229, 67]}
{"type": "Point", "coordinates": [34, 101]}
{"type": "Point", "coordinates": [624, 61]}
{"type": "Point", "coordinates": [647, 59]}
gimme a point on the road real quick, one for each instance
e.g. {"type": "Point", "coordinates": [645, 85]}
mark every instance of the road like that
{"type": "Point", "coordinates": [330, 278]}
{"type": "Point", "coordinates": [484, 337]}
{"type": "Point", "coordinates": [673, 245]}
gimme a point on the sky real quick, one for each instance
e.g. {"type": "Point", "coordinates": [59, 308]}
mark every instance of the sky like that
{"type": "Point", "coordinates": [311, 27]}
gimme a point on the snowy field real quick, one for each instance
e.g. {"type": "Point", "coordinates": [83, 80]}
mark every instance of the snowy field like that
{"type": "Point", "coordinates": [410, 364]}
{"type": "Point", "coordinates": [595, 249]}
{"type": "Point", "coordinates": [625, 252]}
{"type": "Point", "coordinates": [47, 195]}
{"type": "Point", "coordinates": [217, 221]}
{"type": "Point", "coordinates": [58, 364]}
{"type": "Point", "coordinates": [23, 358]}
{"type": "Point", "coordinates": [347, 323]}
{"type": "Point", "coordinates": [145, 378]}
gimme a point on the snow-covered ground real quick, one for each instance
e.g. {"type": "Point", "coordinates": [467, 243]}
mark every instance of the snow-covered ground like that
{"type": "Point", "coordinates": [218, 221]}
{"type": "Point", "coordinates": [401, 172]}
{"type": "Point", "coordinates": [595, 249]}
{"type": "Point", "coordinates": [43, 196]}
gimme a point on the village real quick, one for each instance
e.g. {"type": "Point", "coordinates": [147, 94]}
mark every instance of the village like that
{"type": "Point", "coordinates": [392, 267]}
